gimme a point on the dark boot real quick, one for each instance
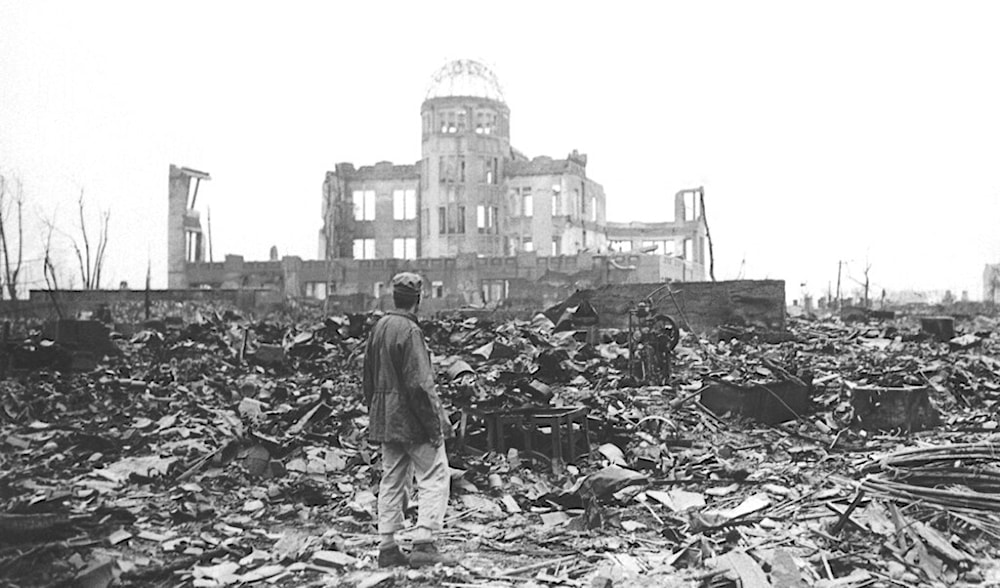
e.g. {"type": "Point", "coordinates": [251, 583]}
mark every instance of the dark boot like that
{"type": "Point", "coordinates": [426, 554]}
{"type": "Point", "coordinates": [392, 557]}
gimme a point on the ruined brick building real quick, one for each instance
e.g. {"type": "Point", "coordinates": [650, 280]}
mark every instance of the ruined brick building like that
{"type": "Point", "coordinates": [991, 283]}
{"type": "Point", "coordinates": [472, 192]}
{"type": "Point", "coordinates": [479, 219]}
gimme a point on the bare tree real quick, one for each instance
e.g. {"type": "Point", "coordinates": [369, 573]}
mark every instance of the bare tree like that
{"type": "Point", "coordinates": [868, 268]}
{"type": "Point", "coordinates": [49, 268]}
{"type": "Point", "coordinates": [11, 204]}
{"type": "Point", "coordinates": [90, 260]}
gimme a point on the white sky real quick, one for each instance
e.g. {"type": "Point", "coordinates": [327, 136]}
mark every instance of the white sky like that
{"type": "Point", "coordinates": [820, 131]}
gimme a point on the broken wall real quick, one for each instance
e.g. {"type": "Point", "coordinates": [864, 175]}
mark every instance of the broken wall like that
{"type": "Point", "coordinates": [71, 302]}
{"type": "Point", "coordinates": [705, 305]}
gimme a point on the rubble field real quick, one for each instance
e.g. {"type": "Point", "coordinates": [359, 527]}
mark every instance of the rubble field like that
{"type": "Point", "coordinates": [208, 448]}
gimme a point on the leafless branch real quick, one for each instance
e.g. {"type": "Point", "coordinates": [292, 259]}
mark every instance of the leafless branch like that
{"type": "Point", "coordinates": [49, 268]}
{"type": "Point", "coordinates": [90, 261]}
{"type": "Point", "coordinates": [11, 197]}
{"type": "Point", "coordinates": [86, 277]}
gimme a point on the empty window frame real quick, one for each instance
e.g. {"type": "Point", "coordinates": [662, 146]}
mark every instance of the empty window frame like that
{"type": "Point", "coordinates": [452, 219]}
{"type": "Point", "coordinates": [690, 206]}
{"type": "Point", "coordinates": [404, 204]}
{"type": "Point", "coordinates": [404, 248]}
{"type": "Point", "coordinates": [364, 204]}
{"type": "Point", "coordinates": [449, 122]}
{"type": "Point", "coordinates": [485, 123]}
{"type": "Point", "coordinates": [495, 290]}
{"type": "Point", "coordinates": [316, 290]}
{"type": "Point", "coordinates": [527, 245]}
{"type": "Point", "coordinates": [527, 202]}
{"type": "Point", "coordinates": [451, 168]}
{"type": "Point", "coordinates": [364, 249]}
{"type": "Point", "coordinates": [556, 246]}
{"type": "Point", "coordinates": [487, 219]}
{"type": "Point", "coordinates": [593, 209]}
{"type": "Point", "coordinates": [620, 246]}
{"type": "Point", "coordinates": [193, 250]}
{"type": "Point", "coordinates": [437, 289]}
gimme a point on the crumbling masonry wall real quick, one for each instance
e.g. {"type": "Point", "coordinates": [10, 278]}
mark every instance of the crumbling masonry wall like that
{"type": "Point", "coordinates": [185, 240]}
{"type": "Point", "coordinates": [704, 305]}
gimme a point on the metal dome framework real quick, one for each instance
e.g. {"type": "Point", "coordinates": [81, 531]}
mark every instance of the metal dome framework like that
{"type": "Point", "coordinates": [465, 77]}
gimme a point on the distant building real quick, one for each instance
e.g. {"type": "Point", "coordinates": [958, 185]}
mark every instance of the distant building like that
{"type": "Point", "coordinates": [479, 220]}
{"type": "Point", "coordinates": [471, 192]}
{"type": "Point", "coordinates": [185, 240]}
{"type": "Point", "coordinates": [991, 283]}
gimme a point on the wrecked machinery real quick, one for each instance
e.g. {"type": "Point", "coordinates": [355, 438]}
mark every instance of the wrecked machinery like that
{"type": "Point", "coordinates": [195, 458]}
{"type": "Point", "coordinates": [652, 337]}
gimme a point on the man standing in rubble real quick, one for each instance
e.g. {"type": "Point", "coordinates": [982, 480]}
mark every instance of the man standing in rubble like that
{"type": "Point", "coordinates": [406, 417]}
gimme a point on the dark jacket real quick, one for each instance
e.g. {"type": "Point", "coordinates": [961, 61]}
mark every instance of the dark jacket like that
{"type": "Point", "coordinates": [398, 382]}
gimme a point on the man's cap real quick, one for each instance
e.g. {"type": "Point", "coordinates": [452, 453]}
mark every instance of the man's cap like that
{"type": "Point", "coordinates": [407, 283]}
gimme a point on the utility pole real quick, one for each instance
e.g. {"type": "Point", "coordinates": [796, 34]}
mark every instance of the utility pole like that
{"type": "Point", "coordinates": [149, 279]}
{"type": "Point", "coordinates": [708, 234]}
{"type": "Point", "coordinates": [839, 264]}
{"type": "Point", "coordinates": [866, 285]}
{"type": "Point", "coordinates": [210, 235]}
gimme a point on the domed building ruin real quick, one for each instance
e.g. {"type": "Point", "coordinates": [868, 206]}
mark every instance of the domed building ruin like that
{"type": "Point", "coordinates": [480, 220]}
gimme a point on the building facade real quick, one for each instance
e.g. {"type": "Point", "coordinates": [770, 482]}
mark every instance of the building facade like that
{"type": "Point", "coordinates": [185, 239]}
{"type": "Point", "coordinates": [472, 192]}
{"type": "Point", "coordinates": [991, 283]}
{"type": "Point", "coordinates": [480, 220]}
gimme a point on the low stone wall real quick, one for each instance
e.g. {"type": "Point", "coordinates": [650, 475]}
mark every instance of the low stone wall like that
{"type": "Point", "coordinates": [703, 305]}
{"type": "Point", "coordinates": [42, 304]}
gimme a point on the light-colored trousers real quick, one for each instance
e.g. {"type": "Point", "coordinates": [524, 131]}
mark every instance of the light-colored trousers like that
{"type": "Point", "coordinates": [400, 463]}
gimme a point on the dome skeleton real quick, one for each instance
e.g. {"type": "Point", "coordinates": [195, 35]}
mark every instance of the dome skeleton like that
{"type": "Point", "coordinates": [465, 77]}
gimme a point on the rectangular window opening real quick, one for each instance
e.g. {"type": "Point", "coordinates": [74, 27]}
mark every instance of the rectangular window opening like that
{"type": "Point", "coordinates": [404, 248]}
{"type": "Point", "coordinates": [404, 204]}
{"type": "Point", "coordinates": [620, 246]}
{"type": "Point", "coordinates": [364, 249]}
{"type": "Point", "coordinates": [364, 204]}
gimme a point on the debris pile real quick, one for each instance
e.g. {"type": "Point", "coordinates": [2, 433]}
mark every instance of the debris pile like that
{"type": "Point", "coordinates": [212, 449]}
